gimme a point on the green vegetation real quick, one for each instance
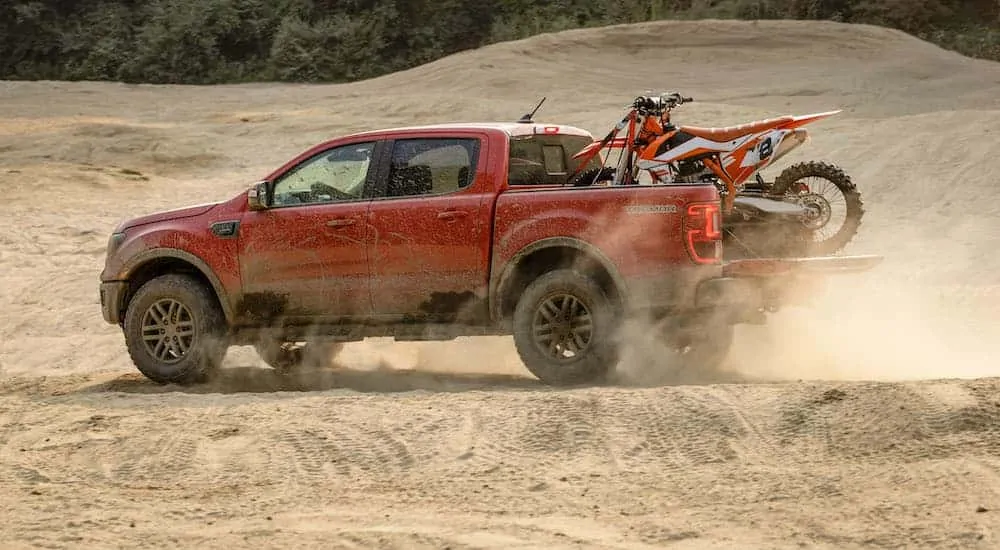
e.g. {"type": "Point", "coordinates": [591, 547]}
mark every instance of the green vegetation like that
{"type": "Point", "coordinates": [216, 41]}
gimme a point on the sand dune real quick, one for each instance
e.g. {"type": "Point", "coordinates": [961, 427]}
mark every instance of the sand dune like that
{"type": "Point", "coordinates": [452, 444]}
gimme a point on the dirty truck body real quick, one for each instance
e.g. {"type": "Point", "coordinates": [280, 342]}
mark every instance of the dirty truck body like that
{"type": "Point", "coordinates": [429, 233]}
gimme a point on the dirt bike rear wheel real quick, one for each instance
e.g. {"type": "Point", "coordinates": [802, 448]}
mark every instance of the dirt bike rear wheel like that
{"type": "Point", "coordinates": [790, 185]}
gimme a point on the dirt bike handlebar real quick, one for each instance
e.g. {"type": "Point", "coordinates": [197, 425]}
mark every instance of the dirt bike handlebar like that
{"type": "Point", "coordinates": [658, 104]}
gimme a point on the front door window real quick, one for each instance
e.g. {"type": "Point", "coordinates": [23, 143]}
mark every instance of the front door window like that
{"type": "Point", "coordinates": [337, 175]}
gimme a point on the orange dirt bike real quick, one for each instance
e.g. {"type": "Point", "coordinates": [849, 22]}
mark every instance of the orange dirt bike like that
{"type": "Point", "coordinates": [788, 216]}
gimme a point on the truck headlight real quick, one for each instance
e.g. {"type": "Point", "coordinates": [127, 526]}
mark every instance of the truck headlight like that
{"type": "Point", "coordinates": [114, 242]}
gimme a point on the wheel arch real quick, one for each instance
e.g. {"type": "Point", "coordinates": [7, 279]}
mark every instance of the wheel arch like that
{"type": "Point", "coordinates": [161, 261]}
{"type": "Point", "coordinates": [546, 255]}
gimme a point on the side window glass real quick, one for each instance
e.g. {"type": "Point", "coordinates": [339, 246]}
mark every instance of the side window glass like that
{"type": "Point", "coordinates": [431, 166]}
{"type": "Point", "coordinates": [527, 163]}
{"type": "Point", "coordinates": [545, 159]}
{"type": "Point", "coordinates": [335, 175]}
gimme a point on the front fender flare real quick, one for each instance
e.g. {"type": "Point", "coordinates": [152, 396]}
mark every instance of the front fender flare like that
{"type": "Point", "coordinates": [142, 258]}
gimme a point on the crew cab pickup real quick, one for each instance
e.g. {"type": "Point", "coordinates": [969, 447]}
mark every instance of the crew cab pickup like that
{"type": "Point", "coordinates": [430, 233]}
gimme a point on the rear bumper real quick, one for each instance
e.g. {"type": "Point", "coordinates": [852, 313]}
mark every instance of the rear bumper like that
{"type": "Point", "coordinates": [113, 300]}
{"type": "Point", "coordinates": [748, 287]}
{"type": "Point", "coordinates": [754, 293]}
{"type": "Point", "coordinates": [729, 292]}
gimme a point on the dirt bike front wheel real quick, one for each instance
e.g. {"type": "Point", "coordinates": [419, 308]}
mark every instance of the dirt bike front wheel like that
{"type": "Point", "coordinates": [822, 188]}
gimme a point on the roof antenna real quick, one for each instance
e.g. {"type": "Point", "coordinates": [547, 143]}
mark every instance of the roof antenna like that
{"type": "Point", "coordinates": [526, 118]}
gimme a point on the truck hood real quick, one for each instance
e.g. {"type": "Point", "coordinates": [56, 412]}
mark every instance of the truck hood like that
{"type": "Point", "coordinates": [177, 213]}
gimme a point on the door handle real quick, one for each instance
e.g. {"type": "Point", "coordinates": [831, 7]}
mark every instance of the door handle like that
{"type": "Point", "coordinates": [341, 222]}
{"type": "Point", "coordinates": [452, 214]}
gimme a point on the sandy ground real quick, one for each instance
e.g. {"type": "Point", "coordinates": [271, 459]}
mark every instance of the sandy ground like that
{"type": "Point", "coordinates": [868, 419]}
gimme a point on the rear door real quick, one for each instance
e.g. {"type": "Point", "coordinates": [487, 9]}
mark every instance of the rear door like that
{"type": "Point", "coordinates": [429, 241]}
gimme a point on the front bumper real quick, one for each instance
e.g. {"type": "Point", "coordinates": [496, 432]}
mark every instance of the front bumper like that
{"type": "Point", "coordinates": [113, 301]}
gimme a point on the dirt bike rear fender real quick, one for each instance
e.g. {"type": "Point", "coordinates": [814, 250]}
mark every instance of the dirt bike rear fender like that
{"type": "Point", "coordinates": [801, 120]}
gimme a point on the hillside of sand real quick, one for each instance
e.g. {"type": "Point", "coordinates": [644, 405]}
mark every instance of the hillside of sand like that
{"type": "Point", "coordinates": [892, 441]}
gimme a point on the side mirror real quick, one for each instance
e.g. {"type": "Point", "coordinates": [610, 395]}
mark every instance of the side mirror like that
{"type": "Point", "coordinates": [257, 196]}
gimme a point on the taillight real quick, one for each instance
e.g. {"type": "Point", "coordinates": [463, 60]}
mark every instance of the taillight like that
{"type": "Point", "coordinates": [703, 232]}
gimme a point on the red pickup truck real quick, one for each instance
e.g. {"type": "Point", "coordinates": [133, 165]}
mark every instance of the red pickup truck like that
{"type": "Point", "coordinates": [430, 233]}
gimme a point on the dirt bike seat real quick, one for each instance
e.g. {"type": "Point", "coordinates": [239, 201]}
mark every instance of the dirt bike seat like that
{"type": "Point", "coordinates": [733, 132]}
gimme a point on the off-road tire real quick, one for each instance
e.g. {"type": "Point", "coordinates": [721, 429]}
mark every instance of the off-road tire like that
{"type": "Point", "coordinates": [198, 309]}
{"type": "Point", "coordinates": [597, 358]}
{"type": "Point", "coordinates": [830, 172]}
{"type": "Point", "coordinates": [285, 359]}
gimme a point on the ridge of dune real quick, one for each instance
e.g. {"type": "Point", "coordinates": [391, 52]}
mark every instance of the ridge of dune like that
{"type": "Point", "coordinates": [728, 61]}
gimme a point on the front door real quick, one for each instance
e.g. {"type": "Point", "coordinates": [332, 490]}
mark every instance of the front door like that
{"type": "Point", "coordinates": [429, 244]}
{"type": "Point", "coordinates": [304, 258]}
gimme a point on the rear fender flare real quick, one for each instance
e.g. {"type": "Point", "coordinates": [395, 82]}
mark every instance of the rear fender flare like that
{"type": "Point", "coordinates": [499, 284]}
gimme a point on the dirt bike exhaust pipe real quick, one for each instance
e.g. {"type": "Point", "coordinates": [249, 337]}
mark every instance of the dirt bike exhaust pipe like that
{"type": "Point", "coordinates": [757, 208]}
{"type": "Point", "coordinates": [761, 227]}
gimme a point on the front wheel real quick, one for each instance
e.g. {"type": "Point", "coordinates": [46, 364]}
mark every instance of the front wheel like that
{"type": "Point", "coordinates": [832, 200]}
{"type": "Point", "coordinates": [175, 330]}
{"type": "Point", "coordinates": [563, 329]}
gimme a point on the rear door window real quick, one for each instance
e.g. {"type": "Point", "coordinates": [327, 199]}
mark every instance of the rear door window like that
{"type": "Point", "coordinates": [431, 166]}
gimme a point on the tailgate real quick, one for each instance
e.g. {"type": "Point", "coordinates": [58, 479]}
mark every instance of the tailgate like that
{"type": "Point", "coordinates": [823, 265]}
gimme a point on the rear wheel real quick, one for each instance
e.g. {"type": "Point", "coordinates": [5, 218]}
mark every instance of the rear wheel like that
{"type": "Point", "coordinates": [175, 330]}
{"type": "Point", "coordinates": [563, 329]}
{"type": "Point", "coordinates": [286, 357]}
{"type": "Point", "coordinates": [833, 201]}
